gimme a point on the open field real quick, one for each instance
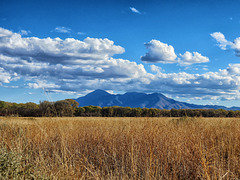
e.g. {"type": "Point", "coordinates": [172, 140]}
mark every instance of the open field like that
{"type": "Point", "coordinates": [119, 148]}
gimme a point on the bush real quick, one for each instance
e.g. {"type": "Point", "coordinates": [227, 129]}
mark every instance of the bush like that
{"type": "Point", "coordinates": [12, 165]}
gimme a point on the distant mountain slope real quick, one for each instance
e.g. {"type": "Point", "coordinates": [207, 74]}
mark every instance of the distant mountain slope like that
{"type": "Point", "coordinates": [133, 99]}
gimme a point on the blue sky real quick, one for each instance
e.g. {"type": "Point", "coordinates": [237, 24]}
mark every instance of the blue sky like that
{"type": "Point", "coordinates": [188, 50]}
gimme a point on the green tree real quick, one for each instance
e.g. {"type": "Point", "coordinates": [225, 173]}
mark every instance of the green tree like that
{"type": "Point", "coordinates": [174, 113]}
{"type": "Point", "coordinates": [80, 111]}
{"type": "Point", "coordinates": [107, 111]}
{"type": "Point", "coordinates": [47, 109]}
{"type": "Point", "coordinates": [3, 106]}
{"type": "Point", "coordinates": [65, 107]}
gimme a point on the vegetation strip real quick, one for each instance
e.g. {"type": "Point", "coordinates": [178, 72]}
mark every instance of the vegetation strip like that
{"type": "Point", "coordinates": [70, 108]}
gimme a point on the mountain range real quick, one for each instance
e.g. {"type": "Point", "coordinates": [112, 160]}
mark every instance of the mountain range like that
{"type": "Point", "coordinates": [134, 99]}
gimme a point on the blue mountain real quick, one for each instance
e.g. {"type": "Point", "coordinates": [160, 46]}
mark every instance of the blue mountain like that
{"type": "Point", "coordinates": [134, 99]}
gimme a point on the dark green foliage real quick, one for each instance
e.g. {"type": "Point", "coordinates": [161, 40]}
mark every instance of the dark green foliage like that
{"type": "Point", "coordinates": [61, 108]}
{"type": "Point", "coordinates": [69, 108]}
{"type": "Point", "coordinates": [2, 105]}
{"type": "Point", "coordinates": [65, 107]}
{"type": "Point", "coordinates": [107, 111]}
{"type": "Point", "coordinates": [117, 111]}
{"type": "Point", "coordinates": [47, 109]}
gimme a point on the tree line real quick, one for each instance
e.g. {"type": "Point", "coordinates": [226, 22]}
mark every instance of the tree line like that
{"type": "Point", "coordinates": [70, 108]}
{"type": "Point", "coordinates": [61, 108]}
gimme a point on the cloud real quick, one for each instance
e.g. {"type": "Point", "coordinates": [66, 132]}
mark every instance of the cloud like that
{"type": "Point", "coordinates": [155, 69]}
{"type": "Point", "coordinates": [73, 66]}
{"type": "Point", "coordinates": [236, 46]}
{"type": "Point", "coordinates": [133, 9]}
{"type": "Point", "coordinates": [65, 62]}
{"type": "Point", "coordinates": [42, 85]}
{"type": "Point", "coordinates": [24, 32]}
{"type": "Point", "coordinates": [189, 58]}
{"type": "Point", "coordinates": [220, 38]}
{"type": "Point", "coordinates": [159, 52]}
{"type": "Point", "coordinates": [224, 44]}
{"type": "Point", "coordinates": [5, 77]}
{"type": "Point", "coordinates": [5, 32]}
{"type": "Point", "coordinates": [223, 84]}
{"type": "Point", "coordinates": [57, 51]}
{"type": "Point", "coordinates": [62, 29]}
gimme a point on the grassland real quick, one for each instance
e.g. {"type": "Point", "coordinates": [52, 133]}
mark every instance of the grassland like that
{"type": "Point", "coordinates": [119, 148]}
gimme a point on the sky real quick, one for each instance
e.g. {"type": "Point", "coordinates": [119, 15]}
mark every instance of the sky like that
{"type": "Point", "coordinates": [188, 50]}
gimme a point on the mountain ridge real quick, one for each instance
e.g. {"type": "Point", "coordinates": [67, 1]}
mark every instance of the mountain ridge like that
{"type": "Point", "coordinates": [142, 100]}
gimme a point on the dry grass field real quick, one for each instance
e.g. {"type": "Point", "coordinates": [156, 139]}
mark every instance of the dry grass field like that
{"type": "Point", "coordinates": [119, 148]}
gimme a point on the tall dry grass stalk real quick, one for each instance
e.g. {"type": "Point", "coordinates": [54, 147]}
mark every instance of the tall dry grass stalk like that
{"type": "Point", "coordinates": [119, 148]}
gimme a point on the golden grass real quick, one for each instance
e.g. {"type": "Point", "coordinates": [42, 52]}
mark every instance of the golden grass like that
{"type": "Point", "coordinates": [120, 148]}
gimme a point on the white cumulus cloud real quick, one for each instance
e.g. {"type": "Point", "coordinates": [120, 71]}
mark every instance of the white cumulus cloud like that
{"type": "Point", "coordinates": [70, 64]}
{"type": "Point", "coordinates": [56, 51]}
{"type": "Point", "coordinates": [220, 38]}
{"type": "Point", "coordinates": [5, 32]}
{"type": "Point", "coordinates": [159, 52]}
{"type": "Point", "coordinates": [224, 44]}
{"type": "Point", "coordinates": [223, 84]}
{"type": "Point", "coordinates": [189, 58]}
{"type": "Point", "coordinates": [236, 46]}
{"type": "Point", "coordinates": [5, 77]}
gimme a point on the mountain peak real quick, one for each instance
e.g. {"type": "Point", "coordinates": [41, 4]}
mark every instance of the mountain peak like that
{"type": "Point", "coordinates": [98, 92]}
